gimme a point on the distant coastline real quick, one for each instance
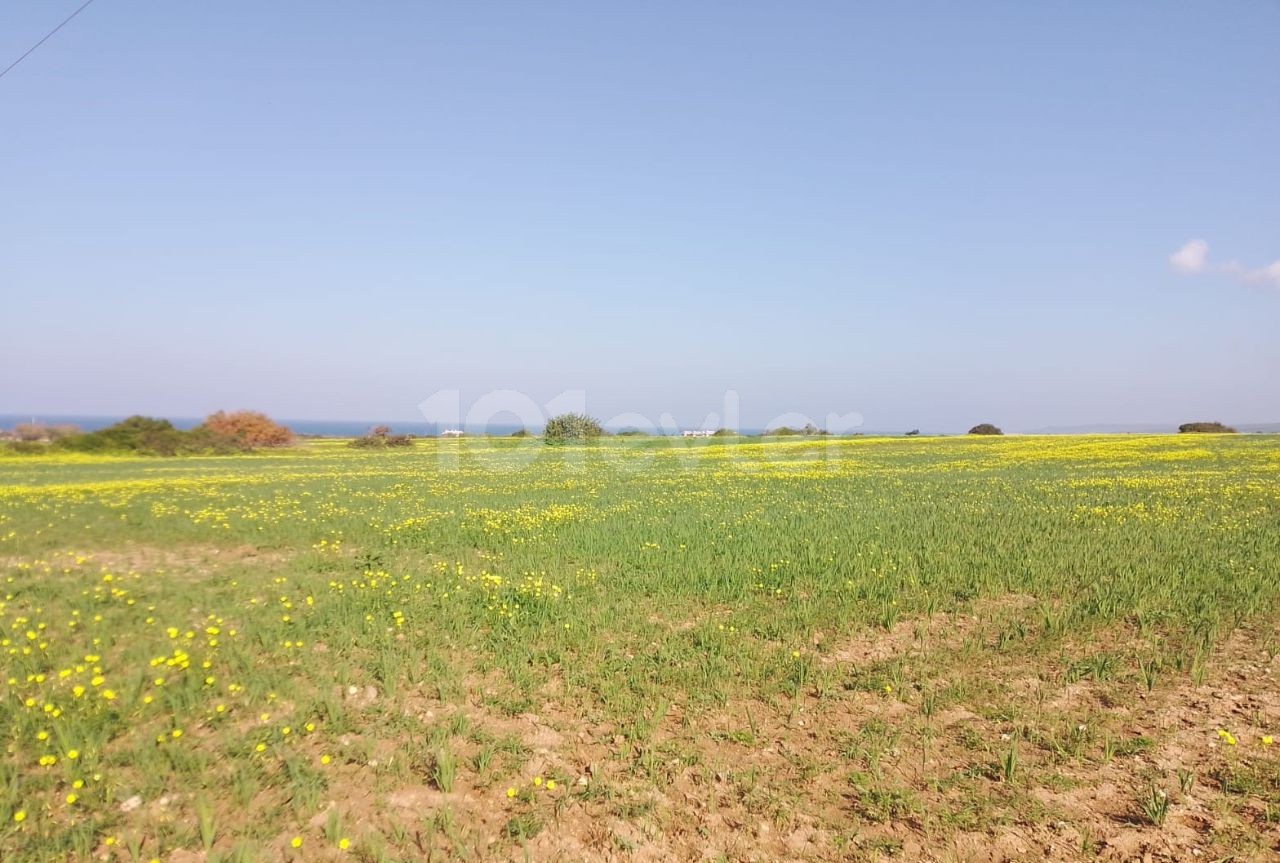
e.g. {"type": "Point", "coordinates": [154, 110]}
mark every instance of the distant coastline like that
{"type": "Point", "coordinates": [304, 428]}
{"type": "Point", "coordinates": [420, 428]}
{"type": "Point", "coordinates": [307, 428]}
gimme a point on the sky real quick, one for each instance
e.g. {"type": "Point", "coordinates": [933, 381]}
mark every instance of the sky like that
{"type": "Point", "coordinates": [925, 214]}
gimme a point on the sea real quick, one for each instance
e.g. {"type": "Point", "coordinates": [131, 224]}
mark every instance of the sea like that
{"type": "Point", "coordinates": [355, 428]}
{"type": "Point", "coordinates": [312, 428]}
{"type": "Point", "coordinates": [309, 428]}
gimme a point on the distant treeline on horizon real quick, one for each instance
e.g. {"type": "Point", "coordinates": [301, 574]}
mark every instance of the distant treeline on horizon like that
{"type": "Point", "coordinates": [305, 428]}
{"type": "Point", "coordinates": [356, 428]}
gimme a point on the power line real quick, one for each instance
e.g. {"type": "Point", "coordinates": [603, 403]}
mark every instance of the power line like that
{"type": "Point", "coordinates": [47, 37]}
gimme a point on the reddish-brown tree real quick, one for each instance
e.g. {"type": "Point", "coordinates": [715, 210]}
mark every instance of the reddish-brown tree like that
{"type": "Point", "coordinates": [248, 428]}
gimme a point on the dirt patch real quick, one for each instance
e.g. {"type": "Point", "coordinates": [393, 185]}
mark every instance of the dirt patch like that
{"type": "Point", "coordinates": [188, 559]}
{"type": "Point", "coordinates": [1015, 762]}
{"type": "Point", "coordinates": [945, 630]}
{"type": "Point", "coordinates": [867, 775]}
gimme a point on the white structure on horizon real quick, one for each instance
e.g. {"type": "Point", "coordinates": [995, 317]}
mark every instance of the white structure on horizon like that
{"type": "Point", "coordinates": [452, 433]}
{"type": "Point", "coordinates": [697, 433]}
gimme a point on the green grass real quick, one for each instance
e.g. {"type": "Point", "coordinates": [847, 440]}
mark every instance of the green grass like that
{"type": "Point", "coordinates": [283, 631]}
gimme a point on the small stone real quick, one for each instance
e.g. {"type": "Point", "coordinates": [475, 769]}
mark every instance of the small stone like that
{"type": "Point", "coordinates": [131, 804]}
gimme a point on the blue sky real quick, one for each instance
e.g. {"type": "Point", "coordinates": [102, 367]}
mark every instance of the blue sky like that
{"type": "Point", "coordinates": [930, 214]}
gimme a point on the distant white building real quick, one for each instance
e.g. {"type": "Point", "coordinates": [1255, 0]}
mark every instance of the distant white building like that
{"type": "Point", "coordinates": [452, 433]}
{"type": "Point", "coordinates": [697, 433]}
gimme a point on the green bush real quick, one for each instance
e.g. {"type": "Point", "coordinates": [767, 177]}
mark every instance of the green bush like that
{"type": "Point", "coordinates": [27, 447]}
{"type": "Point", "coordinates": [809, 429]}
{"type": "Point", "coordinates": [985, 428]}
{"type": "Point", "coordinates": [149, 436]}
{"type": "Point", "coordinates": [135, 434]}
{"type": "Point", "coordinates": [1205, 428]}
{"type": "Point", "coordinates": [571, 427]}
{"type": "Point", "coordinates": [202, 439]}
{"type": "Point", "coordinates": [382, 438]}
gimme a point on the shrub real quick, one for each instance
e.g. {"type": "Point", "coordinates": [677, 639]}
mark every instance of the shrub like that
{"type": "Point", "coordinates": [42, 432]}
{"type": "Point", "coordinates": [27, 447]}
{"type": "Point", "coordinates": [248, 428]}
{"type": "Point", "coordinates": [522, 432]}
{"type": "Point", "coordinates": [136, 434]}
{"type": "Point", "coordinates": [30, 432]}
{"type": "Point", "coordinates": [201, 440]}
{"type": "Point", "coordinates": [1205, 428]}
{"type": "Point", "coordinates": [985, 428]}
{"type": "Point", "coordinates": [913, 432]}
{"type": "Point", "coordinates": [567, 427]}
{"type": "Point", "coordinates": [149, 436]}
{"type": "Point", "coordinates": [723, 432]}
{"type": "Point", "coordinates": [143, 434]}
{"type": "Point", "coordinates": [809, 429]}
{"type": "Point", "coordinates": [380, 437]}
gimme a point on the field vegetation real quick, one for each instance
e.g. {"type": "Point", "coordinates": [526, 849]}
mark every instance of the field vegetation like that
{"type": "Point", "coordinates": [220, 433]}
{"type": "Point", "coordinates": [381, 437]}
{"type": "Point", "coordinates": [571, 427]}
{"type": "Point", "coordinates": [810, 648]}
{"type": "Point", "coordinates": [1205, 428]}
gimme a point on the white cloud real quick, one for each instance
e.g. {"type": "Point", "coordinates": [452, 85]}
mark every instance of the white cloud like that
{"type": "Point", "coordinates": [1191, 258]}
{"type": "Point", "coordinates": [1269, 274]}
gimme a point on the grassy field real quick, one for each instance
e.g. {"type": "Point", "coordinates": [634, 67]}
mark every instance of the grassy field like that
{"type": "Point", "coordinates": [953, 649]}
